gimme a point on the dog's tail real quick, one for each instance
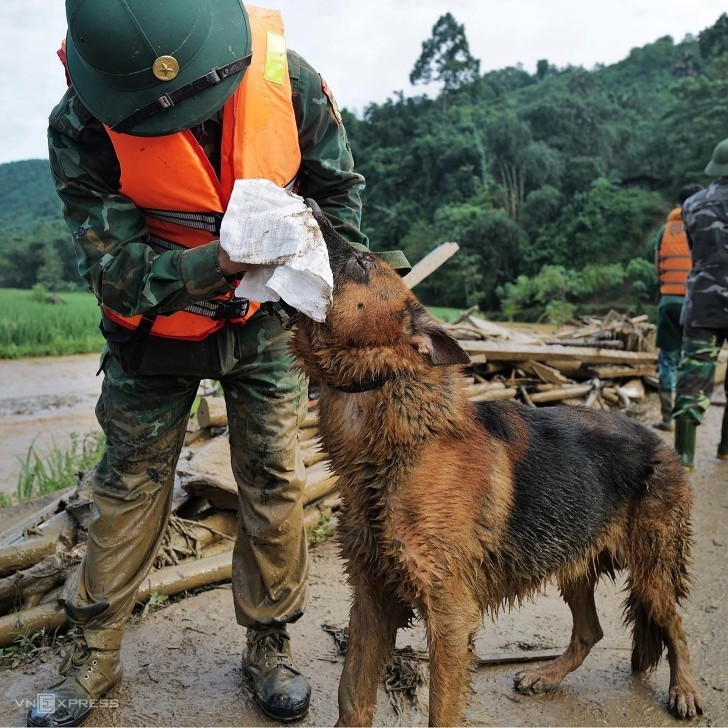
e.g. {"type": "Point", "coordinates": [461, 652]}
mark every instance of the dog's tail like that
{"type": "Point", "coordinates": [658, 559]}
{"type": "Point", "coordinates": [647, 635]}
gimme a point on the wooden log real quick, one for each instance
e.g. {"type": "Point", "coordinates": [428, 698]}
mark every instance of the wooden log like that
{"type": "Point", "coordinates": [495, 394]}
{"type": "Point", "coordinates": [564, 393]}
{"type": "Point", "coordinates": [23, 555]}
{"type": "Point", "coordinates": [60, 527]}
{"type": "Point", "coordinates": [617, 372]}
{"type": "Point", "coordinates": [26, 588]}
{"type": "Point", "coordinates": [610, 394]}
{"type": "Point", "coordinates": [320, 481]}
{"type": "Point", "coordinates": [212, 412]}
{"type": "Point", "coordinates": [50, 617]}
{"type": "Point", "coordinates": [190, 574]}
{"type": "Point", "coordinates": [17, 531]}
{"type": "Point", "coordinates": [475, 389]}
{"type": "Point", "coordinates": [525, 396]}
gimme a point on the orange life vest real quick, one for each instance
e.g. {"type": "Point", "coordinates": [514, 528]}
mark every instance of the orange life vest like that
{"type": "Point", "coordinates": [674, 260]}
{"type": "Point", "coordinates": [171, 180]}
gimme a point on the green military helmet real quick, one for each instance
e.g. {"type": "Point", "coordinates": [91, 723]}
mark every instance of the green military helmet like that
{"type": "Point", "coordinates": [718, 165]}
{"type": "Point", "coordinates": [155, 67]}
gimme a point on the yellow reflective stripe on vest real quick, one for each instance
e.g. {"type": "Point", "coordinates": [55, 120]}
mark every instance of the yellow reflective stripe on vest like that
{"type": "Point", "coordinates": [275, 58]}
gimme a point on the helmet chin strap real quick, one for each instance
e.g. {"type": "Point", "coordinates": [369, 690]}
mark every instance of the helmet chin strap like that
{"type": "Point", "coordinates": [166, 101]}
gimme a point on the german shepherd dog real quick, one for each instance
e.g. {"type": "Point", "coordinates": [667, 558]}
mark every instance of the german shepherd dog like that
{"type": "Point", "coordinates": [451, 510]}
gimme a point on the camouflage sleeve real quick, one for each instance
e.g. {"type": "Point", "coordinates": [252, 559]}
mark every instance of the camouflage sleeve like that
{"type": "Point", "coordinates": [327, 167]}
{"type": "Point", "coordinates": [109, 231]}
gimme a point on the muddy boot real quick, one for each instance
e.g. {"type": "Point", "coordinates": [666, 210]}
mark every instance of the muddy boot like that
{"type": "Point", "coordinates": [665, 412]}
{"type": "Point", "coordinates": [278, 687]}
{"type": "Point", "coordinates": [723, 445]}
{"type": "Point", "coordinates": [89, 671]}
{"type": "Point", "coordinates": [685, 432]}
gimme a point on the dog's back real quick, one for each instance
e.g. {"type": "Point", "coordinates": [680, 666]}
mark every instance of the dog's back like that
{"type": "Point", "coordinates": [583, 482]}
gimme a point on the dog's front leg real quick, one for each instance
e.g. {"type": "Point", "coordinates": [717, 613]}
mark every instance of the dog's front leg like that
{"type": "Point", "coordinates": [451, 626]}
{"type": "Point", "coordinates": [373, 623]}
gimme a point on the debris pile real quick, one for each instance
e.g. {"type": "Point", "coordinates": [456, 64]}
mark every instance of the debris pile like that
{"type": "Point", "coordinates": [603, 363]}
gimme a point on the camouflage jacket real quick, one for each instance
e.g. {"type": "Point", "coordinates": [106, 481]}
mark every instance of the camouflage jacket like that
{"type": "Point", "coordinates": [705, 215]}
{"type": "Point", "coordinates": [126, 275]}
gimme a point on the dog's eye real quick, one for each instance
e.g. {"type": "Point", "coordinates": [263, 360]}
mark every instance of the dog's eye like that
{"type": "Point", "coordinates": [360, 305]}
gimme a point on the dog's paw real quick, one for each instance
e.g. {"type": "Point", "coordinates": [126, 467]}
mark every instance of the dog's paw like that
{"type": "Point", "coordinates": [533, 682]}
{"type": "Point", "coordinates": [685, 701]}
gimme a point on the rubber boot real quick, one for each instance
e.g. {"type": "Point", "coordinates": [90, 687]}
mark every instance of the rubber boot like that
{"type": "Point", "coordinates": [665, 411]}
{"type": "Point", "coordinates": [279, 688]}
{"type": "Point", "coordinates": [685, 433]}
{"type": "Point", "coordinates": [89, 671]}
{"type": "Point", "coordinates": [723, 445]}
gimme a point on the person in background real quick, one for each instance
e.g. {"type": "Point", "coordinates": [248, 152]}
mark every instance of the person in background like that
{"type": "Point", "coordinates": [705, 310]}
{"type": "Point", "coordinates": [169, 104]}
{"type": "Point", "coordinates": [672, 263]}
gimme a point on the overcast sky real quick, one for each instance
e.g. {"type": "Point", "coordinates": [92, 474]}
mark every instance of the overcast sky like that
{"type": "Point", "coordinates": [364, 49]}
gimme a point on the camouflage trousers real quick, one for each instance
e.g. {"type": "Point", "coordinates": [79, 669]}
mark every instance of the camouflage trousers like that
{"type": "Point", "coordinates": [696, 373]}
{"type": "Point", "coordinates": [144, 419]}
{"type": "Point", "coordinates": [669, 342]}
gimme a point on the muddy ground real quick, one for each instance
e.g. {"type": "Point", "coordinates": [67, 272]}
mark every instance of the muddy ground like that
{"type": "Point", "coordinates": [182, 660]}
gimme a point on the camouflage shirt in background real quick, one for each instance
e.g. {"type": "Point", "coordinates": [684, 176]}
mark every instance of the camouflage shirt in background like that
{"type": "Point", "coordinates": [705, 215]}
{"type": "Point", "coordinates": [110, 232]}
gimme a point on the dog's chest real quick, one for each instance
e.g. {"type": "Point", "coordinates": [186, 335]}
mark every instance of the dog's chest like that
{"type": "Point", "coordinates": [396, 559]}
{"type": "Point", "coordinates": [345, 418]}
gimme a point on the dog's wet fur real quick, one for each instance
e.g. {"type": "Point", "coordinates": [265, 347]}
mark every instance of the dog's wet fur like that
{"type": "Point", "coordinates": [452, 509]}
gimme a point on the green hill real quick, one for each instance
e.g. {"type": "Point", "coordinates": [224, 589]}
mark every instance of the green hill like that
{"type": "Point", "coordinates": [26, 195]}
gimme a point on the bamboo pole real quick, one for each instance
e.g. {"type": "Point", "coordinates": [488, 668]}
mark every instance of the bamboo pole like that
{"type": "Point", "coordinates": [23, 555]}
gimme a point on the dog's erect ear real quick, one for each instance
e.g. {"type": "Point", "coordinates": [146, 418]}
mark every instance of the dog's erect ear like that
{"type": "Point", "coordinates": [432, 340]}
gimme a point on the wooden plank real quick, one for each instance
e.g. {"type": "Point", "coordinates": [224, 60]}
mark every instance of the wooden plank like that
{"type": "Point", "coordinates": [544, 373]}
{"type": "Point", "coordinates": [503, 351]}
{"type": "Point", "coordinates": [430, 263]}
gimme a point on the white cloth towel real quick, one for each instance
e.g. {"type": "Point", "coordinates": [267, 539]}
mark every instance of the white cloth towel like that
{"type": "Point", "coordinates": [271, 227]}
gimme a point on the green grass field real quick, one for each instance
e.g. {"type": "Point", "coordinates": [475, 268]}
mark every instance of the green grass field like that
{"type": "Point", "coordinates": [30, 325]}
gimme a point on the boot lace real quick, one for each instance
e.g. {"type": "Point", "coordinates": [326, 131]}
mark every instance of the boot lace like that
{"type": "Point", "coordinates": [77, 656]}
{"type": "Point", "coordinates": [272, 647]}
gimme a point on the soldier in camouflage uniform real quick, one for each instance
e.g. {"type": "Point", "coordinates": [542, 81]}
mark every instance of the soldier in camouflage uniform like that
{"type": "Point", "coordinates": [672, 265]}
{"type": "Point", "coordinates": [705, 311]}
{"type": "Point", "coordinates": [150, 382]}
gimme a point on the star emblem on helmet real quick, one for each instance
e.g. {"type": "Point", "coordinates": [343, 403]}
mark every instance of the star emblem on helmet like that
{"type": "Point", "coordinates": [165, 68]}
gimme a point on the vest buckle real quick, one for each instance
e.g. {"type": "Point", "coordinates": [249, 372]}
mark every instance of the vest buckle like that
{"type": "Point", "coordinates": [234, 308]}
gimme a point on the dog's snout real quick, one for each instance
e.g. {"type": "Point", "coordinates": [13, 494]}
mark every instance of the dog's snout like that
{"type": "Point", "coordinates": [358, 266]}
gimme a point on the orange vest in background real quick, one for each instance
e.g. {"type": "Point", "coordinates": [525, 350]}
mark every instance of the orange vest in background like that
{"type": "Point", "coordinates": [674, 260]}
{"type": "Point", "coordinates": [171, 180]}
